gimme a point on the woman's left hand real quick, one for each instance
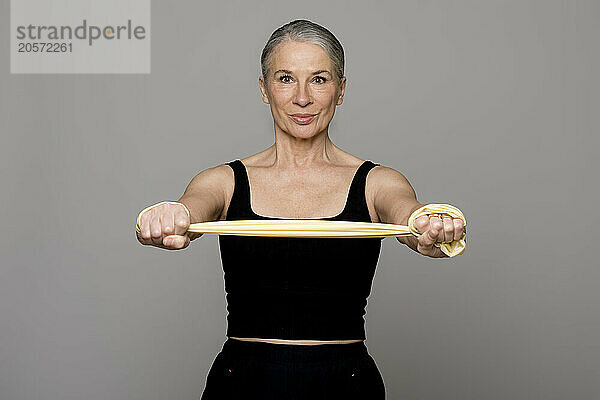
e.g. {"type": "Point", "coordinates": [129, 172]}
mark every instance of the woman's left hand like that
{"type": "Point", "coordinates": [437, 228]}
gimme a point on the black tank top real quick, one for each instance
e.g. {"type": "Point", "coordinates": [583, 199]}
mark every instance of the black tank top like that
{"type": "Point", "coordinates": [298, 288]}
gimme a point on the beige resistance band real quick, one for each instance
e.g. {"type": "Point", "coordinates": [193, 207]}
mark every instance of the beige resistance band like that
{"type": "Point", "coordinates": [306, 228]}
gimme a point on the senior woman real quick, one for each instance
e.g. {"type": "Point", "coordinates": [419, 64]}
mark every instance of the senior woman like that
{"type": "Point", "coordinates": [295, 305]}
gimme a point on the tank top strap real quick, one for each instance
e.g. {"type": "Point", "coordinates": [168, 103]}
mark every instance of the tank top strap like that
{"type": "Point", "coordinates": [239, 206]}
{"type": "Point", "coordinates": [357, 209]}
{"type": "Point", "coordinates": [356, 205]}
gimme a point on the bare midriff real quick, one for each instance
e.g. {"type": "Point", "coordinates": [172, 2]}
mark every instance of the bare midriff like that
{"type": "Point", "coordinates": [301, 342]}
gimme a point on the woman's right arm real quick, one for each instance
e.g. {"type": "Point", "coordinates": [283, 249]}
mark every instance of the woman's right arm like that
{"type": "Point", "coordinates": [166, 225]}
{"type": "Point", "coordinates": [205, 196]}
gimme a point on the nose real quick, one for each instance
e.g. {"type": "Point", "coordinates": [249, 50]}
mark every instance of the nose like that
{"type": "Point", "coordinates": [302, 96]}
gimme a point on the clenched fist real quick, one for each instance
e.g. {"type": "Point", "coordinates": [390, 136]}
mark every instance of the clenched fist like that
{"type": "Point", "coordinates": [165, 225]}
{"type": "Point", "coordinates": [437, 228]}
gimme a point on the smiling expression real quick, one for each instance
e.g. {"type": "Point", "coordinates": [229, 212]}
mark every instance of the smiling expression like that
{"type": "Point", "coordinates": [301, 79]}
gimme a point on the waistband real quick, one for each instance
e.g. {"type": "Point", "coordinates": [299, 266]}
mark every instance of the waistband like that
{"type": "Point", "coordinates": [275, 352]}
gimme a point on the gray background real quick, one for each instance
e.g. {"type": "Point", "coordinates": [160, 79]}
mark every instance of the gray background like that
{"type": "Point", "coordinates": [491, 106]}
{"type": "Point", "coordinates": [120, 55]}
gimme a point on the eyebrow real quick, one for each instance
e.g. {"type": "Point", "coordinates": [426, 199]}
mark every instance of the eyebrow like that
{"type": "Point", "coordinates": [285, 71]}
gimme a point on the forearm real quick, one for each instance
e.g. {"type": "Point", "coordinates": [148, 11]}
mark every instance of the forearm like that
{"type": "Point", "coordinates": [395, 201]}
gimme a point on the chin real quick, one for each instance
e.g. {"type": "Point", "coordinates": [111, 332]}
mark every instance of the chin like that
{"type": "Point", "coordinates": [303, 135]}
{"type": "Point", "coordinates": [304, 131]}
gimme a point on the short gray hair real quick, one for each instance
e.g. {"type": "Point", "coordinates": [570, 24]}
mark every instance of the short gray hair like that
{"type": "Point", "coordinates": [304, 31]}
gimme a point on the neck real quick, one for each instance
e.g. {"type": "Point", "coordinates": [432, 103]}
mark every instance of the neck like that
{"type": "Point", "coordinates": [302, 153]}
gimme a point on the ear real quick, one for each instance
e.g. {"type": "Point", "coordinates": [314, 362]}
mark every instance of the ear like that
{"type": "Point", "coordinates": [263, 90]}
{"type": "Point", "coordinates": [340, 98]}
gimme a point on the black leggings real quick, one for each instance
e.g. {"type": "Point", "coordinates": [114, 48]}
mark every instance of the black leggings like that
{"type": "Point", "coordinates": [259, 370]}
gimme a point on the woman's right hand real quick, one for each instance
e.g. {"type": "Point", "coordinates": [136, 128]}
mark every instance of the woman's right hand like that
{"type": "Point", "coordinates": [165, 225]}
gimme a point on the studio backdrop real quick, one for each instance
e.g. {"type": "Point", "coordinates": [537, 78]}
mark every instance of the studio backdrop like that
{"type": "Point", "coordinates": [491, 106]}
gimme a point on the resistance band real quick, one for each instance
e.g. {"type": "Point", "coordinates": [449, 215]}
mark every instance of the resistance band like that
{"type": "Point", "coordinates": [306, 228]}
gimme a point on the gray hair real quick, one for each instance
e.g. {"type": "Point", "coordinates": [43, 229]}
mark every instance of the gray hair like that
{"type": "Point", "coordinates": [304, 31]}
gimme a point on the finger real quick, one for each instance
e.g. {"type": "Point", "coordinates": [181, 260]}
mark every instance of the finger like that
{"type": "Point", "coordinates": [176, 241]}
{"type": "Point", "coordinates": [167, 223]}
{"type": "Point", "coordinates": [458, 228]}
{"type": "Point", "coordinates": [426, 244]}
{"type": "Point", "coordinates": [428, 238]}
{"type": "Point", "coordinates": [145, 226]}
{"type": "Point", "coordinates": [182, 221]}
{"type": "Point", "coordinates": [448, 234]}
{"type": "Point", "coordinates": [155, 229]}
{"type": "Point", "coordinates": [164, 221]}
{"type": "Point", "coordinates": [437, 224]}
{"type": "Point", "coordinates": [421, 224]}
{"type": "Point", "coordinates": [171, 241]}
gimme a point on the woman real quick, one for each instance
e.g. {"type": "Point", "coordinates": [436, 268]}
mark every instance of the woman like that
{"type": "Point", "coordinates": [295, 305]}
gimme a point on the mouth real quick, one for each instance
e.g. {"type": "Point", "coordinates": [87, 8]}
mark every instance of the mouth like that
{"type": "Point", "coordinates": [303, 119]}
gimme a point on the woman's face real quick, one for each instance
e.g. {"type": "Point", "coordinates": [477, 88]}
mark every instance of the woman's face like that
{"type": "Point", "coordinates": [301, 80]}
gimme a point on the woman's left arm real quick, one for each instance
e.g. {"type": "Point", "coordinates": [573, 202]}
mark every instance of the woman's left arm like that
{"type": "Point", "coordinates": [395, 200]}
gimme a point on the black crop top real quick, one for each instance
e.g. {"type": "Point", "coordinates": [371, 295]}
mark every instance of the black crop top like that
{"type": "Point", "coordinates": [298, 288]}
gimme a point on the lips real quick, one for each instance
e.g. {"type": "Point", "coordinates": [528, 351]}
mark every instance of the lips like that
{"type": "Point", "coordinates": [303, 119]}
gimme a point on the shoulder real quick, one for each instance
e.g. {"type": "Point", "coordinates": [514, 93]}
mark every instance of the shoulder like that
{"type": "Point", "coordinates": [393, 197]}
{"type": "Point", "coordinates": [206, 194]}
{"type": "Point", "coordinates": [216, 182]}
{"type": "Point", "coordinates": [383, 179]}
{"type": "Point", "coordinates": [213, 176]}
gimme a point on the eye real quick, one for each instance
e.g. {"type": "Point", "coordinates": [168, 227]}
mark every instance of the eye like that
{"type": "Point", "coordinates": [320, 77]}
{"type": "Point", "coordinates": [283, 77]}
